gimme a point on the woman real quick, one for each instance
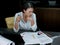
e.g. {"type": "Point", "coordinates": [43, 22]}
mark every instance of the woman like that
{"type": "Point", "coordinates": [25, 19]}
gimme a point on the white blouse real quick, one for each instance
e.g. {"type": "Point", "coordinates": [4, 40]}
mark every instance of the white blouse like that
{"type": "Point", "coordinates": [25, 25]}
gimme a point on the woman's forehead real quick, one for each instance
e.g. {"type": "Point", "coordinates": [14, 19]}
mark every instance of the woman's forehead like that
{"type": "Point", "coordinates": [30, 9]}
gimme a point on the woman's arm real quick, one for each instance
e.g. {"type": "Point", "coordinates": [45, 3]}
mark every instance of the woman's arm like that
{"type": "Point", "coordinates": [16, 23]}
{"type": "Point", "coordinates": [33, 22]}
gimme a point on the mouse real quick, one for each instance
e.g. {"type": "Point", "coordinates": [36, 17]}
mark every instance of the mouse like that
{"type": "Point", "coordinates": [39, 33]}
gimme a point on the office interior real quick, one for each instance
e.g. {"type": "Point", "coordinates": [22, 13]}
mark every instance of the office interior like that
{"type": "Point", "coordinates": [47, 14]}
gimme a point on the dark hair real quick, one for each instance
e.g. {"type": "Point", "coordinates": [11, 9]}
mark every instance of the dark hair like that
{"type": "Point", "coordinates": [27, 5]}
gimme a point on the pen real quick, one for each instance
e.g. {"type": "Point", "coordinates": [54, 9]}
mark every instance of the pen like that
{"type": "Point", "coordinates": [33, 36]}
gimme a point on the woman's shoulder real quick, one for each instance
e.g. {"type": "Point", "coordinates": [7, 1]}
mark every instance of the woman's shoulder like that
{"type": "Point", "coordinates": [18, 14]}
{"type": "Point", "coordinates": [33, 14]}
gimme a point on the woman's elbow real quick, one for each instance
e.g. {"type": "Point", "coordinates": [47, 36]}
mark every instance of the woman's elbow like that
{"type": "Point", "coordinates": [34, 27]}
{"type": "Point", "coordinates": [15, 28]}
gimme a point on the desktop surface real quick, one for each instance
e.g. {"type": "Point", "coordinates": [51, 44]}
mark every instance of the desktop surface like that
{"type": "Point", "coordinates": [10, 34]}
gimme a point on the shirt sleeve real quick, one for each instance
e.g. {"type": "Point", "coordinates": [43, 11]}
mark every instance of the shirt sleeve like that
{"type": "Point", "coordinates": [16, 22]}
{"type": "Point", "coordinates": [34, 27]}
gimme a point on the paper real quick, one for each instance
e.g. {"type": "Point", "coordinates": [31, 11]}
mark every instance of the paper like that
{"type": "Point", "coordinates": [5, 41]}
{"type": "Point", "coordinates": [29, 38]}
{"type": "Point", "coordinates": [34, 38]}
{"type": "Point", "coordinates": [43, 38]}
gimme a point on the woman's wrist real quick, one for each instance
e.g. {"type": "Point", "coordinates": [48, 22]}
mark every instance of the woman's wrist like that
{"type": "Point", "coordinates": [16, 22]}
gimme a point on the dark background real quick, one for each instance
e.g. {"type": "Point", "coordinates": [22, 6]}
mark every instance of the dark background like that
{"type": "Point", "coordinates": [8, 8]}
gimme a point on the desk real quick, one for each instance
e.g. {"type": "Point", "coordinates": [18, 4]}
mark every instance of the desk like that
{"type": "Point", "coordinates": [34, 38]}
{"type": "Point", "coordinates": [10, 34]}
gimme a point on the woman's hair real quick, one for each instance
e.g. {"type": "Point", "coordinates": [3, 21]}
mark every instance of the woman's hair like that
{"type": "Point", "coordinates": [27, 5]}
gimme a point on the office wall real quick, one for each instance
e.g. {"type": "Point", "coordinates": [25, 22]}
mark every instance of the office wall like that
{"type": "Point", "coordinates": [48, 18]}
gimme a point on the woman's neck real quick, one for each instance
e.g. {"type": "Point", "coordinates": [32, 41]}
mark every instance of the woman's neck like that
{"type": "Point", "coordinates": [24, 17]}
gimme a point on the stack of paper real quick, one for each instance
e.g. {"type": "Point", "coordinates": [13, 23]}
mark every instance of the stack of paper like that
{"type": "Point", "coordinates": [34, 38]}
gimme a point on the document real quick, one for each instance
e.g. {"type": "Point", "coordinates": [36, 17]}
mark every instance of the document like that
{"type": "Point", "coordinates": [5, 41]}
{"type": "Point", "coordinates": [35, 38]}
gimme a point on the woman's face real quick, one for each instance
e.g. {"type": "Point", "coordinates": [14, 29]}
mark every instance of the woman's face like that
{"type": "Point", "coordinates": [28, 12]}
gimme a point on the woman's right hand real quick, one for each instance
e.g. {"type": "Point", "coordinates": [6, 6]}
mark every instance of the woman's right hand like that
{"type": "Point", "coordinates": [18, 19]}
{"type": "Point", "coordinates": [16, 26]}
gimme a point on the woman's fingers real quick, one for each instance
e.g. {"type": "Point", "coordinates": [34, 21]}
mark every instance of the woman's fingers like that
{"type": "Point", "coordinates": [18, 19]}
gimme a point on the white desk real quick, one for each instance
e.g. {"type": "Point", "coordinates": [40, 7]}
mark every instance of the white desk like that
{"type": "Point", "coordinates": [34, 38]}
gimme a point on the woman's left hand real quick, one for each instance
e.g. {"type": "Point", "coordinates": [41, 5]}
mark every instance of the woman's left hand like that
{"type": "Point", "coordinates": [31, 19]}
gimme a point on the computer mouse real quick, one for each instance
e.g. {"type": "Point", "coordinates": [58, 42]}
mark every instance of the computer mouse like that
{"type": "Point", "coordinates": [39, 33]}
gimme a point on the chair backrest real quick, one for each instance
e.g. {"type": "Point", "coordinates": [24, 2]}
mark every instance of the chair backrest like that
{"type": "Point", "coordinates": [56, 41]}
{"type": "Point", "coordinates": [9, 22]}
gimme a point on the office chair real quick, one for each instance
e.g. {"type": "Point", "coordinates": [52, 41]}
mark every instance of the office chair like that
{"type": "Point", "coordinates": [56, 41]}
{"type": "Point", "coordinates": [9, 22]}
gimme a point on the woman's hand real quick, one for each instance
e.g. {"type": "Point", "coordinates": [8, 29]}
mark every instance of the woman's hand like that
{"type": "Point", "coordinates": [30, 19]}
{"type": "Point", "coordinates": [18, 19]}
